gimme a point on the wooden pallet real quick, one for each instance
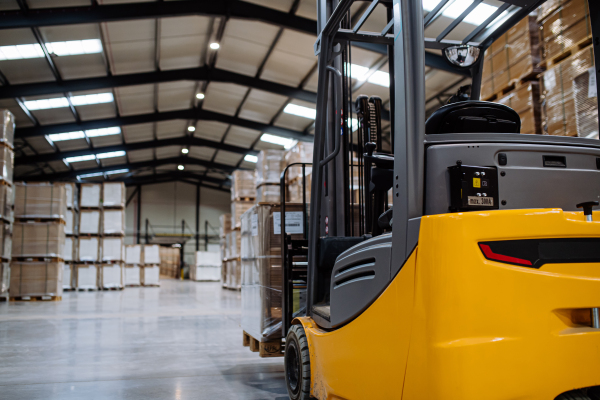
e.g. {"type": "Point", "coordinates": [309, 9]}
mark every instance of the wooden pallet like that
{"type": "Point", "coordinates": [151, 286]}
{"type": "Point", "coordinates": [39, 220]}
{"type": "Point", "coordinates": [133, 285]}
{"type": "Point", "coordinates": [566, 53]}
{"type": "Point", "coordinates": [36, 298]}
{"type": "Point", "coordinates": [111, 289]}
{"type": "Point", "coordinates": [86, 289]}
{"type": "Point", "coordinates": [244, 199]}
{"type": "Point", "coordinates": [37, 259]}
{"type": "Point", "coordinates": [264, 349]}
{"type": "Point", "coordinates": [514, 84]}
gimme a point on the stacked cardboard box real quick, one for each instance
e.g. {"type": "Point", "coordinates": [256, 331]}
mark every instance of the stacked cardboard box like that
{"type": "Point", "coordinates": [70, 254]}
{"type": "Point", "coordinates": [39, 239]}
{"type": "Point", "coordinates": [150, 271]}
{"type": "Point", "coordinates": [111, 274]}
{"type": "Point", "coordinates": [224, 229]}
{"type": "Point", "coordinates": [268, 176]}
{"type": "Point", "coordinates": [302, 152]}
{"type": "Point", "coordinates": [207, 267]}
{"type": "Point", "coordinates": [133, 261]}
{"type": "Point", "coordinates": [525, 100]}
{"type": "Point", "coordinates": [7, 132]}
{"type": "Point", "coordinates": [232, 259]}
{"type": "Point", "coordinates": [169, 261]}
{"type": "Point", "coordinates": [86, 269]}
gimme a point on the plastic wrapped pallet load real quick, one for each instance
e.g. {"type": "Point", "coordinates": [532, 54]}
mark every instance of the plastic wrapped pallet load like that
{"type": "Point", "coordinates": [86, 276]}
{"type": "Point", "coordinates": [38, 239]}
{"type": "Point", "coordinates": [113, 222]}
{"type": "Point", "coordinates": [111, 276]}
{"type": "Point", "coordinates": [7, 201]}
{"type": "Point", "coordinates": [89, 222]}
{"type": "Point", "coordinates": [6, 231]}
{"type": "Point", "coordinates": [40, 200]}
{"type": "Point", "coordinates": [71, 219]}
{"type": "Point", "coordinates": [586, 104]}
{"type": "Point", "coordinates": [224, 224]}
{"type": "Point", "coordinates": [7, 128]}
{"type": "Point", "coordinates": [36, 278]}
{"type": "Point", "coordinates": [207, 267]}
{"type": "Point", "coordinates": [237, 209]}
{"type": "Point", "coordinates": [261, 268]}
{"type": "Point", "coordinates": [69, 249]}
{"type": "Point", "coordinates": [302, 152]}
{"type": "Point", "coordinates": [234, 274]}
{"type": "Point", "coordinates": [151, 254]}
{"type": "Point", "coordinates": [242, 185]}
{"type": "Point", "coordinates": [4, 278]}
{"type": "Point", "coordinates": [90, 195]}
{"type": "Point", "coordinates": [567, 26]}
{"type": "Point", "coordinates": [71, 191]}
{"type": "Point", "coordinates": [67, 282]}
{"type": "Point", "coordinates": [113, 194]}
{"type": "Point", "coordinates": [132, 275]}
{"type": "Point", "coordinates": [7, 161]}
{"type": "Point", "coordinates": [89, 248]}
{"type": "Point", "coordinates": [112, 249]}
{"type": "Point", "coordinates": [526, 102]}
{"type": "Point", "coordinates": [133, 254]}
{"type": "Point", "coordinates": [150, 275]}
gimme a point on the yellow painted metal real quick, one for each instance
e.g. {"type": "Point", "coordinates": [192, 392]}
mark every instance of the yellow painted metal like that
{"type": "Point", "coordinates": [453, 325]}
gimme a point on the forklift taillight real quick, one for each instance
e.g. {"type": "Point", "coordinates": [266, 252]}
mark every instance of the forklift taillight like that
{"type": "Point", "coordinates": [490, 255]}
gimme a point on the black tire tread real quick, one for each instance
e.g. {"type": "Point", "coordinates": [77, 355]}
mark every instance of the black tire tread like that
{"type": "Point", "coordinates": [574, 395]}
{"type": "Point", "coordinates": [298, 332]}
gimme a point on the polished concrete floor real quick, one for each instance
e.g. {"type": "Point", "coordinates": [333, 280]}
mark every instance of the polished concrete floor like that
{"type": "Point", "coordinates": [180, 341]}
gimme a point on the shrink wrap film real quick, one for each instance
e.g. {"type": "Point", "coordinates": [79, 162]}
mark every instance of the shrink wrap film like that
{"type": "Point", "coordinates": [69, 249]}
{"type": "Point", "coordinates": [237, 209]}
{"type": "Point", "coordinates": [71, 220]}
{"type": "Point", "coordinates": [559, 112]}
{"type": "Point", "coordinates": [4, 278]}
{"type": "Point", "coordinates": [243, 185]}
{"type": "Point", "coordinates": [38, 239]}
{"type": "Point", "coordinates": [205, 274]}
{"type": "Point", "coordinates": [261, 267]}
{"type": "Point", "coordinates": [233, 274]}
{"type": "Point", "coordinates": [586, 104]}
{"type": "Point", "coordinates": [151, 254]}
{"type": "Point", "coordinates": [113, 222]}
{"type": "Point", "coordinates": [71, 192]}
{"type": "Point", "coordinates": [150, 275]}
{"type": "Point", "coordinates": [133, 254]}
{"type": "Point", "coordinates": [89, 249]}
{"type": "Point", "coordinates": [207, 259]}
{"type": "Point", "coordinates": [233, 243]}
{"type": "Point", "coordinates": [564, 28]}
{"type": "Point", "coordinates": [132, 275]}
{"type": "Point", "coordinates": [526, 102]}
{"type": "Point", "coordinates": [225, 224]}
{"type": "Point", "coordinates": [113, 194]}
{"type": "Point", "coordinates": [67, 279]}
{"type": "Point", "coordinates": [111, 276]}
{"type": "Point", "coordinates": [269, 166]}
{"type": "Point", "coordinates": [112, 249]}
{"type": "Point", "coordinates": [90, 195]}
{"type": "Point", "coordinates": [36, 278]}
{"type": "Point", "coordinates": [268, 193]}
{"type": "Point", "coordinates": [7, 128]}
{"type": "Point", "coordinates": [7, 201]}
{"type": "Point", "coordinates": [548, 8]}
{"type": "Point", "coordinates": [6, 232]}
{"type": "Point", "coordinates": [40, 200]}
{"type": "Point", "coordinates": [86, 276]}
{"type": "Point", "coordinates": [7, 162]}
{"type": "Point", "coordinates": [89, 222]}
{"type": "Point", "coordinates": [302, 152]}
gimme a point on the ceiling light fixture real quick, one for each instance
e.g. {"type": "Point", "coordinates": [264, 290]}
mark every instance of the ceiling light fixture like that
{"type": "Point", "coordinates": [200, 96]}
{"type": "Point", "coordinates": [215, 46]}
{"type": "Point", "coordinates": [191, 128]}
{"type": "Point", "coordinates": [113, 172]}
{"type": "Point", "coordinates": [251, 158]}
{"type": "Point", "coordinates": [285, 142]}
{"type": "Point", "coordinates": [90, 157]}
{"type": "Point", "coordinates": [62, 102]}
{"type": "Point", "coordinates": [180, 167]}
{"type": "Point", "coordinates": [69, 48]}
{"type": "Point", "coordinates": [185, 151]}
{"type": "Point", "coordinates": [300, 111]}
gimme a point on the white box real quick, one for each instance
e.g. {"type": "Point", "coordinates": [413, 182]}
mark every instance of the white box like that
{"type": "Point", "coordinates": [112, 276]}
{"type": "Point", "coordinates": [208, 259]}
{"type": "Point", "coordinates": [88, 249]}
{"type": "Point", "coordinates": [71, 195]}
{"type": "Point", "coordinates": [150, 275]}
{"type": "Point", "coordinates": [151, 254]}
{"type": "Point", "coordinates": [200, 273]}
{"type": "Point", "coordinates": [67, 277]}
{"type": "Point", "coordinates": [90, 195]}
{"type": "Point", "coordinates": [87, 276]}
{"type": "Point", "coordinates": [68, 249]}
{"type": "Point", "coordinates": [133, 254]}
{"type": "Point", "coordinates": [89, 222]}
{"type": "Point", "coordinates": [114, 194]}
{"type": "Point", "coordinates": [113, 222]}
{"type": "Point", "coordinates": [132, 275]}
{"type": "Point", "coordinates": [112, 249]}
{"type": "Point", "coordinates": [71, 228]}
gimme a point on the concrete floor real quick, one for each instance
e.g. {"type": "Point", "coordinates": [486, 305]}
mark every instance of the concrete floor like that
{"type": "Point", "coordinates": [180, 341]}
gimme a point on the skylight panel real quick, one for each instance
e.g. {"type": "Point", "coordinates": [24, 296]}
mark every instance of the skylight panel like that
{"type": "Point", "coordinates": [115, 130]}
{"type": "Point", "coordinates": [58, 137]}
{"type": "Point", "coordinates": [285, 142]}
{"type": "Point", "coordinates": [88, 157]}
{"type": "Point", "coordinates": [251, 158]}
{"type": "Point", "coordinates": [480, 13]}
{"type": "Point", "coordinates": [300, 111]}
{"type": "Point", "coordinates": [380, 78]}
{"type": "Point", "coordinates": [34, 50]}
{"type": "Point", "coordinates": [112, 154]}
{"type": "Point", "coordinates": [61, 102]}
{"type": "Point", "coordinates": [93, 174]}
{"type": "Point", "coordinates": [455, 8]}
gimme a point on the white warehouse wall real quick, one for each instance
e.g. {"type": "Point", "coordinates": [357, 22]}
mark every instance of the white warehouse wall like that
{"type": "Point", "coordinates": [167, 204]}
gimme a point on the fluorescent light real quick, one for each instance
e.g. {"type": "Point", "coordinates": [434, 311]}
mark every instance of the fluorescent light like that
{"type": "Point", "coordinates": [116, 171]}
{"type": "Point", "coordinates": [112, 154]}
{"type": "Point", "coordinates": [185, 151]}
{"type": "Point", "coordinates": [480, 13]}
{"type": "Point", "coordinates": [358, 72]}
{"type": "Point", "coordinates": [88, 157]}
{"type": "Point", "coordinates": [285, 142]}
{"type": "Point", "coordinates": [380, 78]}
{"type": "Point", "coordinates": [454, 10]}
{"type": "Point", "coordinates": [92, 99]}
{"type": "Point", "coordinates": [34, 50]}
{"type": "Point", "coordinates": [115, 130]}
{"type": "Point", "coordinates": [300, 111]}
{"type": "Point", "coordinates": [90, 175]}
{"type": "Point", "coordinates": [58, 137]}
{"type": "Point", "coordinates": [215, 46]}
{"type": "Point", "coordinates": [251, 158]}
{"type": "Point", "coordinates": [180, 167]}
{"type": "Point", "coordinates": [191, 128]}
{"type": "Point", "coordinates": [62, 102]}
{"type": "Point", "coordinates": [200, 96]}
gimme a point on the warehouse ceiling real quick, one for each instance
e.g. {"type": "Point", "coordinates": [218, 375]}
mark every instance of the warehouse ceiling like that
{"type": "Point", "coordinates": [175, 90]}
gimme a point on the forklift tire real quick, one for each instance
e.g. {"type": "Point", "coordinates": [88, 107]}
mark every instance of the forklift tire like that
{"type": "Point", "coordinates": [297, 364]}
{"type": "Point", "coordinates": [574, 395]}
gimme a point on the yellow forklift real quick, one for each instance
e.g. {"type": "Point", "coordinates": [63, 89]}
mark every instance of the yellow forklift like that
{"type": "Point", "coordinates": [481, 278]}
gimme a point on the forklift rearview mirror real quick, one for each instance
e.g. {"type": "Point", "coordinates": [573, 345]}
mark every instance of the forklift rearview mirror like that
{"type": "Point", "coordinates": [462, 56]}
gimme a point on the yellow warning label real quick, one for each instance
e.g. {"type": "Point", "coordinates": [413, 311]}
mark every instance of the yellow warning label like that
{"type": "Point", "coordinates": [476, 182]}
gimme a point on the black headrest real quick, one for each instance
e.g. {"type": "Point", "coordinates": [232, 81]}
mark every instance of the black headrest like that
{"type": "Point", "coordinates": [474, 117]}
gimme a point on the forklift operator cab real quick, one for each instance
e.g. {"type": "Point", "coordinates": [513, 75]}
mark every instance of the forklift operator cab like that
{"type": "Point", "coordinates": [479, 276]}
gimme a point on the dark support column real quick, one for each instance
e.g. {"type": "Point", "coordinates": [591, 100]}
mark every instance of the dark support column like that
{"type": "Point", "coordinates": [595, 20]}
{"type": "Point", "coordinates": [206, 235]}
{"type": "Point", "coordinates": [197, 217]}
{"type": "Point", "coordinates": [139, 213]}
{"type": "Point", "coordinates": [147, 233]}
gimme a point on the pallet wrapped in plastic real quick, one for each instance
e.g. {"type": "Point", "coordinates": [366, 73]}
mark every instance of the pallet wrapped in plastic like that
{"type": "Point", "coordinates": [6, 232]}
{"type": "Point", "coordinates": [269, 166]}
{"type": "Point", "coordinates": [113, 222]}
{"type": "Point", "coordinates": [207, 266]}
{"type": "Point", "coordinates": [67, 280]}
{"type": "Point", "coordinates": [86, 276]}
{"type": "Point", "coordinates": [233, 242]}
{"type": "Point", "coordinates": [69, 249]}
{"type": "Point", "coordinates": [151, 254]}
{"type": "Point", "coordinates": [7, 201]}
{"type": "Point", "coordinates": [72, 225]}
{"type": "Point", "coordinates": [261, 267]}
{"type": "Point", "coordinates": [111, 276]}
{"type": "Point", "coordinates": [89, 248]}
{"type": "Point", "coordinates": [36, 278]}
{"type": "Point", "coordinates": [90, 195]}
{"type": "Point", "coordinates": [301, 152]}
{"type": "Point", "coordinates": [237, 209]}
{"type": "Point", "coordinates": [224, 224]}
{"type": "Point", "coordinates": [71, 191]}
{"type": "Point", "coordinates": [243, 185]}
{"type": "Point", "coordinates": [132, 275]}
{"type": "Point", "coordinates": [7, 128]}
{"type": "Point", "coordinates": [7, 162]}
{"type": "Point", "coordinates": [559, 112]}
{"type": "Point", "coordinates": [4, 278]}
{"type": "Point", "coordinates": [40, 200]}
{"type": "Point", "coordinates": [112, 249]}
{"type": "Point", "coordinates": [150, 275]}
{"type": "Point", "coordinates": [89, 222]}
{"type": "Point", "coordinates": [525, 100]}
{"type": "Point", "coordinates": [133, 254]}
{"type": "Point", "coordinates": [268, 193]}
{"type": "Point", "coordinates": [567, 26]}
{"type": "Point", "coordinates": [113, 194]}
{"type": "Point", "coordinates": [586, 104]}
{"type": "Point", "coordinates": [233, 274]}
{"type": "Point", "coordinates": [38, 239]}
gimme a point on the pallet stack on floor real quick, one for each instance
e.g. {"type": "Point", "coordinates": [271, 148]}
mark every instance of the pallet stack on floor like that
{"type": "Point", "coordinates": [224, 229]}
{"type": "Point", "coordinates": [206, 268]}
{"type": "Point", "coordinates": [111, 272]}
{"type": "Point", "coordinates": [38, 242]}
{"type": "Point", "coordinates": [169, 261]}
{"type": "Point", "coordinates": [150, 269]}
{"type": "Point", "coordinates": [86, 269]}
{"type": "Point", "coordinates": [71, 231]}
{"type": "Point", "coordinates": [133, 262]}
{"type": "Point", "coordinates": [7, 131]}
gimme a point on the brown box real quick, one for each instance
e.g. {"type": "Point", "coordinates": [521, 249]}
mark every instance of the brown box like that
{"type": "Point", "coordinates": [40, 200]}
{"type": "Point", "coordinates": [224, 224]}
{"type": "Point", "coordinates": [568, 25]}
{"type": "Point", "coordinates": [525, 100]}
{"type": "Point", "coordinates": [302, 152]}
{"type": "Point", "coordinates": [36, 278]}
{"type": "Point", "coordinates": [269, 166]}
{"type": "Point", "coordinates": [243, 185]}
{"type": "Point", "coordinates": [38, 239]}
{"type": "Point", "coordinates": [268, 193]}
{"type": "Point", "coordinates": [237, 209]}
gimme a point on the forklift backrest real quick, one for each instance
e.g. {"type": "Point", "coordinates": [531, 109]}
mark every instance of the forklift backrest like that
{"type": "Point", "coordinates": [473, 117]}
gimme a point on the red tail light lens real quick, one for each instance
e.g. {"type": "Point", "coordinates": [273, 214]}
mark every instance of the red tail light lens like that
{"type": "Point", "coordinates": [490, 255]}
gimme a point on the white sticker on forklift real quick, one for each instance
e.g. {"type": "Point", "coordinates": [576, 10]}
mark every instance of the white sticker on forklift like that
{"type": "Point", "coordinates": [293, 222]}
{"type": "Point", "coordinates": [481, 201]}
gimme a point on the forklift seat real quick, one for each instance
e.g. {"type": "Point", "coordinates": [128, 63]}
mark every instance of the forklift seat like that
{"type": "Point", "coordinates": [473, 117]}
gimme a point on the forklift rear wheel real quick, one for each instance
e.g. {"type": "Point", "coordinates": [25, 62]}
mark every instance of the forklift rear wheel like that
{"type": "Point", "coordinates": [574, 395]}
{"type": "Point", "coordinates": [297, 364]}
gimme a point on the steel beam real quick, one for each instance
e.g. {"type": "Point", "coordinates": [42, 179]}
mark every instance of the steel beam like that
{"type": "Point", "coordinates": [188, 114]}
{"type": "Point", "coordinates": [167, 177]}
{"type": "Point", "coordinates": [152, 144]}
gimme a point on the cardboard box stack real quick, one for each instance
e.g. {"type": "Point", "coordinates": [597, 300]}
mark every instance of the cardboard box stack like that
{"type": "Point", "coordinates": [243, 194]}
{"type": "Point", "coordinates": [133, 261]}
{"type": "Point", "coordinates": [72, 235]}
{"type": "Point", "coordinates": [268, 176]}
{"type": "Point", "coordinates": [232, 259]}
{"type": "Point", "coordinates": [111, 275]}
{"type": "Point", "coordinates": [302, 152]}
{"type": "Point", "coordinates": [169, 261]}
{"type": "Point", "coordinates": [86, 269]}
{"type": "Point", "coordinates": [7, 132]}
{"type": "Point", "coordinates": [207, 267]}
{"type": "Point", "coordinates": [224, 229]}
{"type": "Point", "coordinates": [150, 270]}
{"type": "Point", "coordinates": [38, 241]}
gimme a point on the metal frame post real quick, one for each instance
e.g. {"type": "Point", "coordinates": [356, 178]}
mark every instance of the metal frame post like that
{"type": "Point", "coordinates": [139, 214]}
{"type": "Point", "coordinates": [198, 218]}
